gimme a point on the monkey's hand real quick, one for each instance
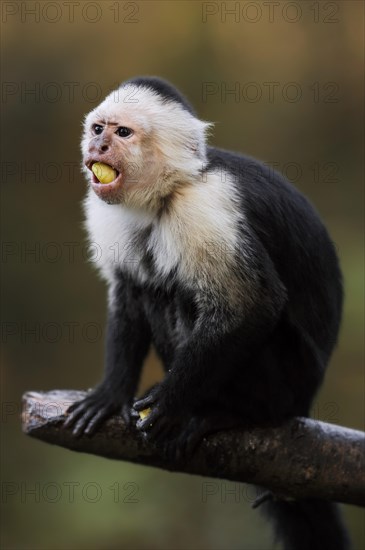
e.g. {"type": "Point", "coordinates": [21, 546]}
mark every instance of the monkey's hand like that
{"type": "Point", "coordinates": [164, 423]}
{"type": "Point", "coordinates": [87, 415]}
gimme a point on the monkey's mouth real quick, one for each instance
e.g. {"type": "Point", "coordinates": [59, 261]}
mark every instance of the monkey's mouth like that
{"type": "Point", "coordinates": [105, 179]}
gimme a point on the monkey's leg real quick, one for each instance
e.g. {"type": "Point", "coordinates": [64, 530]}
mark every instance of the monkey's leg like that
{"type": "Point", "coordinates": [127, 343]}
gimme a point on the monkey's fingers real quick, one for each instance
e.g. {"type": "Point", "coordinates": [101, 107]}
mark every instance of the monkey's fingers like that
{"type": "Point", "coordinates": [146, 424]}
{"type": "Point", "coordinates": [76, 410]}
{"type": "Point", "coordinates": [73, 406]}
{"type": "Point", "coordinates": [145, 403]}
{"type": "Point", "coordinates": [83, 423]}
{"type": "Point", "coordinates": [200, 427]}
{"type": "Point", "coordinates": [88, 417]}
{"type": "Point", "coordinates": [134, 414]}
{"type": "Point", "coordinates": [183, 446]}
{"type": "Point", "coordinates": [96, 420]}
{"type": "Point", "coordinates": [188, 445]}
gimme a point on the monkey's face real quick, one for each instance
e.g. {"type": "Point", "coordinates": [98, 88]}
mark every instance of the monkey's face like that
{"type": "Point", "coordinates": [152, 145]}
{"type": "Point", "coordinates": [121, 143]}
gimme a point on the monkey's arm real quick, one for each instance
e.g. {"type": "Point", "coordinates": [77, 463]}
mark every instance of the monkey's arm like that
{"type": "Point", "coordinates": [222, 333]}
{"type": "Point", "coordinates": [127, 343]}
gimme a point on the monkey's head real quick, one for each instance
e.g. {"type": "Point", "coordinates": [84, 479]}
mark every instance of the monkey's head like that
{"type": "Point", "coordinates": [149, 134]}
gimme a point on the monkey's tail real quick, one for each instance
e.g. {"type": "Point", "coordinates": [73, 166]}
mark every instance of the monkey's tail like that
{"type": "Point", "coordinates": [307, 524]}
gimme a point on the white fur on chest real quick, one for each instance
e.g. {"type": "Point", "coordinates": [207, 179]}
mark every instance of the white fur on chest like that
{"type": "Point", "coordinates": [112, 229]}
{"type": "Point", "coordinates": [196, 237]}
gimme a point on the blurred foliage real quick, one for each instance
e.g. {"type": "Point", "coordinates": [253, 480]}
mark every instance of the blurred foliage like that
{"type": "Point", "coordinates": [314, 48]}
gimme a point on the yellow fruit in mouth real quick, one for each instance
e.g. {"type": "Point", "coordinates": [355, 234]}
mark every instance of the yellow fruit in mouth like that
{"type": "Point", "coordinates": [104, 172]}
{"type": "Point", "coordinates": [143, 414]}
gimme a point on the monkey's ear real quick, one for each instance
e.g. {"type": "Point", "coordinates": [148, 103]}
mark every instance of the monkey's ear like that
{"type": "Point", "coordinates": [207, 127]}
{"type": "Point", "coordinates": [198, 145]}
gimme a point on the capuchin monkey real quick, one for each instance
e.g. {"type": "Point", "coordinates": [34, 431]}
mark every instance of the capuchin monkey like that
{"type": "Point", "coordinates": [223, 266]}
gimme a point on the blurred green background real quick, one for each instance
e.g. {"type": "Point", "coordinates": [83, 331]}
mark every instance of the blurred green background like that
{"type": "Point", "coordinates": [296, 69]}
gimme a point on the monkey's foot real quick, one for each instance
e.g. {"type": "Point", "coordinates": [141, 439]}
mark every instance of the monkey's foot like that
{"type": "Point", "coordinates": [178, 435]}
{"type": "Point", "coordinates": [86, 416]}
{"type": "Point", "coordinates": [196, 429]}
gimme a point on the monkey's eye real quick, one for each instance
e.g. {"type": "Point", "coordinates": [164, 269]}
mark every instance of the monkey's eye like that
{"type": "Point", "coordinates": [97, 129]}
{"type": "Point", "coordinates": [124, 132]}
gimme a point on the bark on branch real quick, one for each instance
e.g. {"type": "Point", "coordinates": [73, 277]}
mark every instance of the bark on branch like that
{"type": "Point", "coordinates": [302, 459]}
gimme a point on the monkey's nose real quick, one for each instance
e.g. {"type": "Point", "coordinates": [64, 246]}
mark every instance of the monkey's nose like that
{"type": "Point", "coordinates": [99, 148]}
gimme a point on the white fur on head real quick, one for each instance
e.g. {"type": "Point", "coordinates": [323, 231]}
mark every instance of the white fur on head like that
{"type": "Point", "coordinates": [177, 132]}
{"type": "Point", "coordinates": [171, 141]}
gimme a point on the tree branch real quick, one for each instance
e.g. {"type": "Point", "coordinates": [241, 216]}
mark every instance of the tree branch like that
{"type": "Point", "coordinates": [301, 459]}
